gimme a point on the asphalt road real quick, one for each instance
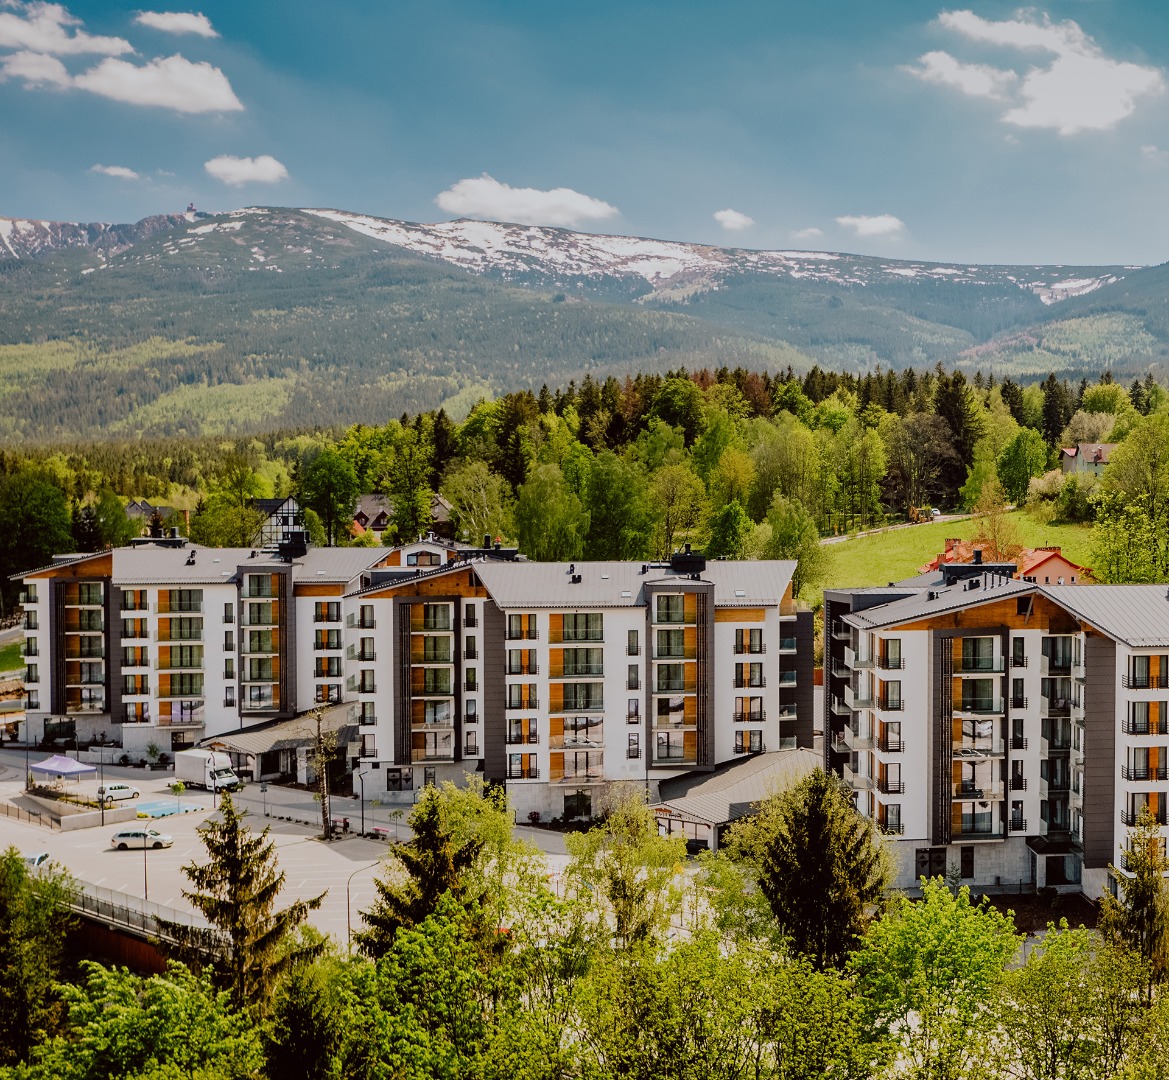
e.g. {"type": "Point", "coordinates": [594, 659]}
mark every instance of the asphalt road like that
{"type": "Point", "coordinates": [344, 867]}
{"type": "Point", "coordinates": [889, 528]}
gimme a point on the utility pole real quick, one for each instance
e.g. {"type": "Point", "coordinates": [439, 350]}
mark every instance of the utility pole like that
{"type": "Point", "coordinates": [324, 747]}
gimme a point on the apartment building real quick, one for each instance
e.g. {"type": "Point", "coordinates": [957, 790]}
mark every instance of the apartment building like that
{"type": "Point", "coordinates": [1004, 732]}
{"type": "Point", "coordinates": [166, 643]}
{"type": "Point", "coordinates": [555, 679]}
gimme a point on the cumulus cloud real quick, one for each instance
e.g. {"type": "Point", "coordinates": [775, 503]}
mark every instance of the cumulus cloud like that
{"type": "Point", "coordinates": [35, 69]}
{"type": "Point", "coordinates": [177, 22]}
{"type": "Point", "coordinates": [486, 197]}
{"type": "Point", "coordinates": [877, 225]}
{"type": "Point", "coordinates": [237, 171]}
{"type": "Point", "coordinates": [49, 28]}
{"type": "Point", "coordinates": [732, 220]}
{"type": "Point", "coordinates": [119, 172]}
{"type": "Point", "coordinates": [1079, 88]}
{"type": "Point", "coordinates": [170, 82]}
{"type": "Point", "coordinates": [807, 234]}
{"type": "Point", "coordinates": [974, 80]}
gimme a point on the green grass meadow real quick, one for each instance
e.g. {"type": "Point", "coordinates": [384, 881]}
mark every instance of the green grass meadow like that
{"type": "Point", "coordinates": [900, 553]}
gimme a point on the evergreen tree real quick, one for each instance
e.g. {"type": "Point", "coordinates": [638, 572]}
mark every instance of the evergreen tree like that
{"type": "Point", "coordinates": [305, 1029]}
{"type": "Point", "coordinates": [433, 863]}
{"type": "Point", "coordinates": [822, 866]}
{"type": "Point", "coordinates": [33, 924]}
{"type": "Point", "coordinates": [1058, 407]}
{"type": "Point", "coordinates": [1139, 919]}
{"type": "Point", "coordinates": [235, 887]}
{"type": "Point", "coordinates": [86, 529]}
{"type": "Point", "coordinates": [1012, 394]}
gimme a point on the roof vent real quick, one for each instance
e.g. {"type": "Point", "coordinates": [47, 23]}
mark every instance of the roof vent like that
{"type": "Point", "coordinates": [974, 583]}
{"type": "Point", "coordinates": [645, 568]}
{"type": "Point", "coordinates": [977, 557]}
{"type": "Point", "coordinates": [191, 558]}
{"type": "Point", "coordinates": [572, 568]}
{"type": "Point", "coordinates": [576, 579]}
{"type": "Point", "coordinates": [932, 595]}
{"type": "Point", "coordinates": [253, 553]}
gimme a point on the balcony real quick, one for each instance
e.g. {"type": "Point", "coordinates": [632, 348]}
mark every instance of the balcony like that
{"type": "Point", "coordinates": [840, 632]}
{"type": "Point", "coordinates": [741, 683]}
{"type": "Point", "coordinates": [431, 754]}
{"type": "Point", "coordinates": [1144, 773]}
{"type": "Point", "coordinates": [185, 607]}
{"type": "Point", "coordinates": [270, 621]}
{"type": "Point", "coordinates": [1018, 783]}
{"type": "Point", "coordinates": [1018, 661]}
{"type": "Point", "coordinates": [189, 635]}
{"type": "Point", "coordinates": [1019, 743]}
{"type": "Point", "coordinates": [1018, 824]}
{"type": "Point", "coordinates": [1057, 706]}
{"type": "Point", "coordinates": [891, 663]}
{"type": "Point", "coordinates": [1129, 818]}
{"type": "Point", "coordinates": [520, 739]}
{"type": "Point", "coordinates": [787, 678]}
{"type": "Point", "coordinates": [855, 661]}
{"type": "Point", "coordinates": [978, 830]}
{"type": "Point", "coordinates": [1145, 682]}
{"type": "Point", "coordinates": [187, 718]}
{"type": "Point", "coordinates": [532, 635]}
{"type": "Point", "coordinates": [857, 699]}
{"type": "Point", "coordinates": [979, 790]}
{"type": "Point", "coordinates": [887, 705]}
{"type": "Point", "coordinates": [979, 665]}
{"type": "Point", "coordinates": [750, 717]}
{"type": "Point", "coordinates": [747, 748]}
{"type": "Point", "coordinates": [891, 746]}
{"type": "Point", "coordinates": [523, 669]}
{"type": "Point", "coordinates": [992, 706]}
{"type": "Point", "coordinates": [745, 648]}
{"type": "Point", "coordinates": [529, 772]}
{"type": "Point", "coordinates": [858, 781]}
{"type": "Point", "coordinates": [973, 748]}
{"type": "Point", "coordinates": [368, 622]}
{"type": "Point", "coordinates": [839, 707]}
{"type": "Point", "coordinates": [891, 828]}
{"type": "Point", "coordinates": [891, 787]}
{"type": "Point", "coordinates": [787, 645]}
{"type": "Point", "coordinates": [532, 703]}
{"type": "Point", "coordinates": [1132, 726]}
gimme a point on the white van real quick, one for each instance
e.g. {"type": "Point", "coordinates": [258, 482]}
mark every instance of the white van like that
{"type": "Point", "coordinates": [117, 792]}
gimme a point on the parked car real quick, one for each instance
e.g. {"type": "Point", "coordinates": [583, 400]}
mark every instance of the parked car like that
{"type": "Point", "coordinates": [141, 837]}
{"type": "Point", "coordinates": [935, 512]}
{"type": "Point", "coordinates": [34, 860]}
{"type": "Point", "coordinates": [117, 792]}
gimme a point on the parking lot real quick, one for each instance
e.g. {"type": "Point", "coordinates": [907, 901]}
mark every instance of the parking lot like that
{"type": "Point", "coordinates": [345, 867]}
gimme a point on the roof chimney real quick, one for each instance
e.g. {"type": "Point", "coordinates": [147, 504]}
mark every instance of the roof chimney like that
{"type": "Point", "coordinates": [977, 560]}
{"type": "Point", "coordinates": [487, 540]}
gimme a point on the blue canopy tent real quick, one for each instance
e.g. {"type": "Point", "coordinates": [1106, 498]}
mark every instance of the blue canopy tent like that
{"type": "Point", "coordinates": [62, 767]}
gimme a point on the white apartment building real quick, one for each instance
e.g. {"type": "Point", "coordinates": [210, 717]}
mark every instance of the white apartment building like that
{"type": "Point", "coordinates": [555, 679]}
{"type": "Point", "coordinates": [1001, 731]}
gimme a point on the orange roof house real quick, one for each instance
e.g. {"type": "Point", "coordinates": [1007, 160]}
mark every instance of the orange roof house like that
{"type": "Point", "coordinates": [1044, 565]}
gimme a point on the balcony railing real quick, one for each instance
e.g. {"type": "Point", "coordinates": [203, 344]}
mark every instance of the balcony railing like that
{"type": "Point", "coordinates": [1018, 742]}
{"type": "Point", "coordinates": [523, 669]}
{"type": "Point", "coordinates": [891, 746]}
{"type": "Point", "coordinates": [747, 748]}
{"type": "Point", "coordinates": [787, 644]}
{"type": "Point", "coordinates": [1018, 824]}
{"type": "Point", "coordinates": [1018, 703]}
{"type": "Point", "coordinates": [1131, 817]}
{"type": "Point", "coordinates": [470, 654]}
{"type": "Point", "coordinates": [746, 648]}
{"type": "Point", "coordinates": [886, 705]}
{"type": "Point", "coordinates": [519, 738]}
{"type": "Point", "coordinates": [529, 703]}
{"type": "Point", "coordinates": [533, 635]}
{"type": "Point", "coordinates": [1143, 727]}
{"type": "Point", "coordinates": [1018, 783]}
{"type": "Point", "coordinates": [1145, 682]}
{"type": "Point", "coordinates": [979, 706]}
{"type": "Point", "coordinates": [1144, 773]}
{"type": "Point", "coordinates": [1018, 661]}
{"type": "Point", "coordinates": [750, 717]}
{"type": "Point", "coordinates": [573, 671]}
{"type": "Point", "coordinates": [892, 828]}
{"type": "Point", "coordinates": [787, 678]}
{"type": "Point", "coordinates": [633, 752]}
{"type": "Point", "coordinates": [976, 747]}
{"type": "Point", "coordinates": [891, 663]}
{"type": "Point", "coordinates": [528, 773]}
{"type": "Point", "coordinates": [978, 665]}
{"type": "Point", "coordinates": [891, 787]}
{"type": "Point", "coordinates": [741, 682]}
{"type": "Point", "coordinates": [470, 620]}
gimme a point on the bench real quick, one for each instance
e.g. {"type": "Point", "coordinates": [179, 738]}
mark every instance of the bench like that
{"type": "Point", "coordinates": [381, 832]}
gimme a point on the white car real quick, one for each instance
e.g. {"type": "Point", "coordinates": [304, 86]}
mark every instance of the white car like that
{"type": "Point", "coordinates": [141, 837]}
{"type": "Point", "coordinates": [117, 792]}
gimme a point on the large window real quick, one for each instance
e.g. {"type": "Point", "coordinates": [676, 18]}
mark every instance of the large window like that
{"type": "Point", "coordinates": [436, 650]}
{"type": "Point", "coordinates": [670, 677]}
{"type": "Point", "coordinates": [583, 662]}
{"type": "Point", "coordinates": [978, 654]}
{"type": "Point", "coordinates": [671, 644]}
{"type": "Point", "coordinates": [436, 680]}
{"type": "Point", "coordinates": [584, 626]}
{"type": "Point", "coordinates": [434, 616]}
{"type": "Point", "coordinates": [670, 609]}
{"type": "Point", "coordinates": [582, 696]}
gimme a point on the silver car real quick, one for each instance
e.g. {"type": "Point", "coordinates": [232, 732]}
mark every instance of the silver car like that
{"type": "Point", "coordinates": [141, 837]}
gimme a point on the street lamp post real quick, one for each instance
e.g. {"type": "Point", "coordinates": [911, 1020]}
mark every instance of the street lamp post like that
{"type": "Point", "coordinates": [145, 876]}
{"type": "Point", "coordinates": [361, 781]}
{"type": "Point", "coordinates": [264, 792]}
{"type": "Point", "coordinates": [101, 787]}
{"type": "Point", "coordinates": [348, 920]}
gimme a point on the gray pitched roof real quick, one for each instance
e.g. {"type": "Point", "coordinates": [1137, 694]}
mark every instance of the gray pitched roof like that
{"type": "Point", "coordinates": [148, 564]}
{"type": "Point", "coordinates": [1136, 615]}
{"type": "Point", "coordinates": [735, 789]}
{"type": "Point", "coordinates": [926, 603]}
{"type": "Point", "coordinates": [621, 584]}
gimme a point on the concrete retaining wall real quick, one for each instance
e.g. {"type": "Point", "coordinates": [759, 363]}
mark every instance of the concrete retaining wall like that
{"type": "Point", "coordinates": [80, 817]}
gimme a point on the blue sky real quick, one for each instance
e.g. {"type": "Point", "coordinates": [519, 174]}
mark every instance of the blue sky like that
{"type": "Point", "coordinates": [982, 133]}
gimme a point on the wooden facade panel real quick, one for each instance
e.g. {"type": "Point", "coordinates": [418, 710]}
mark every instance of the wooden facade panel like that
{"type": "Point", "coordinates": [556, 766]}
{"type": "Point", "coordinates": [100, 566]}
{"type": "Point", "coordinates": [689, 745]}
{"type": "Point", "coordinates": [318, 588]}
{"type": "Point", "coordinates": [1004, 613]}
{"type": "Point", "coordinates": [739, 615]}
{"type": "Point", "coordinates": [690, 607]}
{"type": "Point", "coordinates": [556, 627]}
{"type": "Point", "coordinates": [462, 583]}
{"type": "Point", "coordinates": [556, 697]}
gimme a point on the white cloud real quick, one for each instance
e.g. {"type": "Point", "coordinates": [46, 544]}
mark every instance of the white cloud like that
{"type": "Point", "coordinates": [807, 234]}
{"type": "Point", "coordinates": [35, 69]}
{"type": "Point", "coordinates": [877, 225]}
{"type": "Point", "coordinates": [732, 220]}
{"type": "Point", "coordinates": [177, 22]}
{"type": "Point", "coordinates": [171, 82]}
{"type": "Point", "coordinates": [45, 28]}
{"type": "Point", "coordinates": [486, 197]}
{"type": "Point", "coordinates": [119, 172]}
{"type": "Point", "coordinates": [1154, 154]}
{"type": "Point", "coordinates": [236, 171]}
{"type": "Point", "coordinates": [974, 80]}
{"type": "Point", "coordinates": [1079, 88]}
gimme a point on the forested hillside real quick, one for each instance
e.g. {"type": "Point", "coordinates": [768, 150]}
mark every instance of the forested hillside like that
{"type": "Point", "coordinates": [313, 322]}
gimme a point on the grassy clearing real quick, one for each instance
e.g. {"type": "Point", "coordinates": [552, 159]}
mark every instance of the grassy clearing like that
{"type": "Point", "coordinates": [209, 410]}
{"type": "Point", "coordinates": [892, 556]}
{"type": "Point", "coordinates": [10, 658]}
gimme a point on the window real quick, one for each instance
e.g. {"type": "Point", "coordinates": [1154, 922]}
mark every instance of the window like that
{"type": "Point", "coordinates": [978, 654]}
{"type": "Point", "coordinates": [633, 745]}
{"type": "Point", "coordinates": [184, 629]}
{"type": "Point", "coordinates": [471, 648]}
{"type": "Point", "coordinates": [366, 714]}
{"type": "Point", "coordinates": [229, 641]}
{"type": "Point", "coordinates": [521, 626]}
{"type": "Point", "coordinates": [632, 647]}
{"type": "Point", "coordinates": [633, 711]}
{"type": "Point", "coordinates": [891, 653]}
{"type": "Point", "coordinates": [367, 621]}
{"type": "Point", "coordinates": [368, 683]}
{"type": "Point", "coordinates": [132, 600]}
{"type": "Point", "coordinates": [327, 611]}
{"type": "Point", "coordinates": [670, 677]}
{"type": "Point", "coordinates": [967, 856]}
{"type": "Point", "coordinates": [1018, 652]}
{"type": "Point", "coordinates": [135, 684]}
{"type": "Point", "coordinates": [436, 650]}
{"type": "Point", "coordinates": [471, 711]}
{"type": "Point", "coordinates": [437, 712]}
{"type": "Point", "coordinates": [186, 656]}
{"type": "Point", "coordinates": [749, 675]}
{"type": "Point", "coordinates": [583, 662]}
{"type": "Point", "coordinates": [229, 697]}
{"type": "Point", "coordinates": [32, 674]}
{"type": "Point", "coordinates": [583, 626]}
{"type": "Point", "coordinates": [670, 609]}
{"type": "Point", "coordinates": [229, 668]}
{"type": "Point", "coordinates": [633, 679]}
{"type": "Point", "coordinates": [671, 746]}
{"type": "Point", "coordinates": [930, 862]}
{"type": "Point", "coordinates": [328, 693]}
{"type": "Point", "coordinates": [471, 744]}
{"type": "Point", "coordinates": [260, 669]}
{"type": "Point", "coordinates": [436, 680]}
{"type": "Point", "coordinates": [434, 616]}
{"type": "Point", "coordinates": [327, 639]}
{"type": "Point", "coordinates": [423, 558]}
{"type": "Point", "coordinates": [891, 698]}
{"type": "Point", "coordinates": [89, 593]}
{"type": "Point", "coordinates": [472, 679]}
{"type": "Point", "coordinates": [185, 600]}
{"type": "Point", "coordinates": [134, 656]}
{"type": "Point", "coordinates": [671, 644]}
{"type": "Point", "coordinates": [748, 641]}
{"type": "Point", "coordinates": [579, 697]}
{"type": "Point", "coordinates": [186, 685]}
{"type": "Point", "coordinates": [327, 667]}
